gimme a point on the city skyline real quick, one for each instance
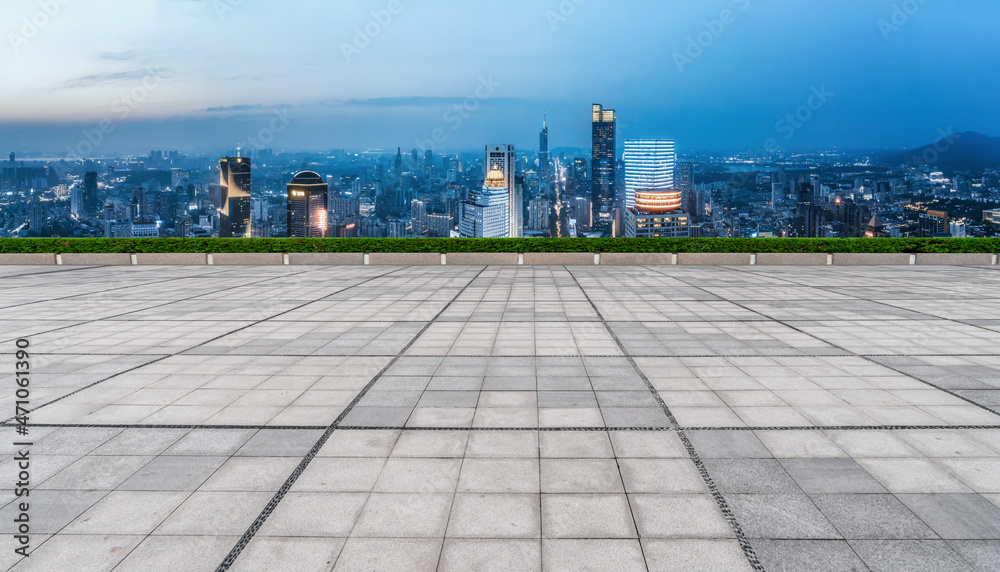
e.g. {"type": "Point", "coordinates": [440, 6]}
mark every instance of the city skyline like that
{"type": "Point", "coordinates": [733, 75]}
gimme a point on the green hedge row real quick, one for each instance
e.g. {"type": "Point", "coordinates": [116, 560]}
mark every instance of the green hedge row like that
{"type": "Point", "coordinates": [446, 245]}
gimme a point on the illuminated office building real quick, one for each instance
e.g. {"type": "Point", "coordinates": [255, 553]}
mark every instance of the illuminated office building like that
{"type": "Point", "coordinates": [503, 158]}
{"type": "Point", "coordinates": [649, 165]}
{"type": "Point", "coordinates": [657, 214]}
{"type": "Point", "coordinates": [602, 165]}
{"type": "Point", "coordinates": [487, 213]}
{"type": "Point", "coordinates": [237, 208]}
{"type": "Point", "coordinates": [307, 198]}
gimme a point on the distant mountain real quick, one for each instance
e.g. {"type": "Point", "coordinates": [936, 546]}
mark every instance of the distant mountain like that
{"type": "Point", "coordinates": [958, 152]}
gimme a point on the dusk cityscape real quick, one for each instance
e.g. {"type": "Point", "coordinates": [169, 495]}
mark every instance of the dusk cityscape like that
{"type": "Point", "coordinates": [558, 285]}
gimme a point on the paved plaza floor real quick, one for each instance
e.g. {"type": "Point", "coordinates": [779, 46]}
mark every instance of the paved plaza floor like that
{"type": "Point", "coordinates": [504, 418]}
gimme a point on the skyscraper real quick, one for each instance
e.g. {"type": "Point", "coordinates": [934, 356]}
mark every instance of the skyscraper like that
{"type": "Point", "coordinates": [235, 214]}
{"type": "Point", "coordinates": [76, 201]}
{"type": "Point", "coordinates": [503, 158]}
{"type": "Point", "coordinates": [90, 201]}
{"type": "Point", "coordinates": [418, 217]}
{"type": "Point", "coordinates": [544, 161]}
{"type": "Point", "coordinates": [487, 213]}
{"type": "Point", "coordinates": [603, 161]}
{"type": "Point", "coordinates": [307, 198]}
{"type": "Point", "coordinates": [538, 214]}
{"type": "Point", "coordinates": [649, 165]}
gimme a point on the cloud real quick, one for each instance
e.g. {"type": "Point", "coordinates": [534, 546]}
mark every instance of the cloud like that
{"type": "Point", "coordinates": [414, 101]}
{"type": "Point", "coordinates": [236, 108]}
{"type": "Point", "coordinates": [125, 56]}
{"type": "Point", "coordinates": [100, 79]}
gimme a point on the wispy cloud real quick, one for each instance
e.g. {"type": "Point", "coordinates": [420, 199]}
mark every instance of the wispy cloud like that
{"type": "Point", "coordinates": [236, 108]}
{"type": "Point", "coordinates": [414, 101]}
{"type": "Point", "coordinates": [105, 78]}
{"type": "Point", "coordinates": [124, 56]}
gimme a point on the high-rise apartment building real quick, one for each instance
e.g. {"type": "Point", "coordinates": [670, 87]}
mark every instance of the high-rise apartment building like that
{"type": "Point", "coordinates": [538, 214]}
{"type": "Point", "coordinates": [649, 165]}
{"type": "Point", "coordinates": [487, 213]}
{"type": "Point", "coordinates": [602, 166]}
{"type": "Point", "coordinates": [307, 204]}
{"type": "Point", "coordinates": [236, 211]}
{"type": "Point", "coordinates": [504, 159]}
{"type": "Point", "coordinates": [418, 217]}
{"type": "Point", "coordinates": [439, 225]}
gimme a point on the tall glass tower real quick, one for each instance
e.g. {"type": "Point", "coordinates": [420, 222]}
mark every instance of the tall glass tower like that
{"type": "Point", "coordinates": [649, 165]}
{"type": "Point", "coordinates": [504, 159]}
{"type": "Point", "coordinates": [544, 166]}
{"type": "Point", "coordinates": [307, 198]}
{"type": "Point", "coordinates": [237, 208]}
{"type": "Point", "coordinates": [91, 203]}
{"type": "Point", "coordinates": [602, 165]}
{"type": "Point", "coordinates": [486, 214]}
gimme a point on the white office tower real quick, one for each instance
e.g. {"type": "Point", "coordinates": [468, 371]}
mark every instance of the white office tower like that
{"type": "Point", "coordinates": [649, 165]}
{"type": "Point", "coordinates": [503, 158]}
{"type": "Point", "coordinates": [487, 213]}
{"type": "Point", "coordinates": [76, 197]}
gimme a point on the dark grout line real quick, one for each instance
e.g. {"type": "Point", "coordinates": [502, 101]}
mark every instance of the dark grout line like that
{"type": "Point", "coordinates": [94, 384]}
{"type": "Point", "coordinates": [163, 357]}
{"type": "Point", "coordinates": [228, 561]}
{"type": "Point", "coordinates": [868, 357]}
{"type": "Point", "coordinates": [727, 513]}
{"type": "Point", "coordinates": [111, 318]}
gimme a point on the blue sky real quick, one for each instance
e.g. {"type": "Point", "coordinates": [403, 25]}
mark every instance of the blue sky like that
{"type": "Point", "coordinates": [206, 74]}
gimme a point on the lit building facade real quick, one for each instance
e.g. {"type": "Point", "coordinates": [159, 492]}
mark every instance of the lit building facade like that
{"type": "Point", "coordinates": [602, 166]}
{"type": "Point", "coordinates": [487, 213]}
{"type": "Point", "coordinates": [649, 164]}
{"type": "Point", "coordinates": [307, 202]}
{"type": "Point", "coordinates": [657, 214]}
{"type": "Point", "coordinates": [538, 214]}
{"type": "Point", "coordinates": [504, 159]}
{"type": "Point", "coordinates": [237, 207]}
